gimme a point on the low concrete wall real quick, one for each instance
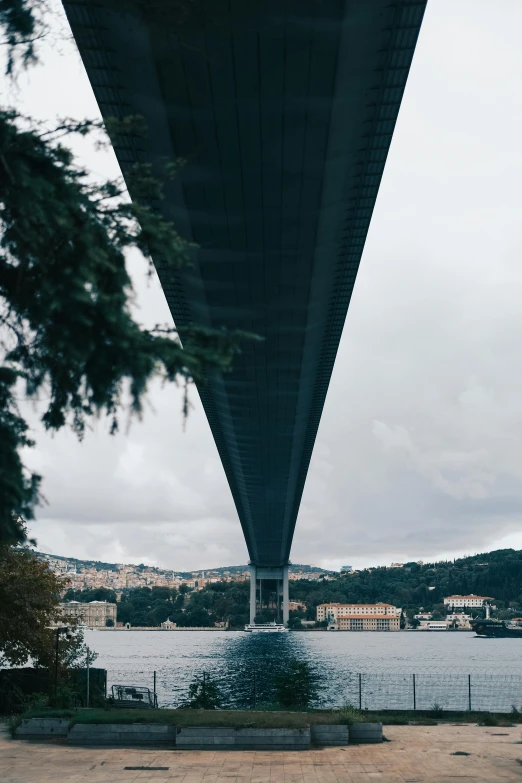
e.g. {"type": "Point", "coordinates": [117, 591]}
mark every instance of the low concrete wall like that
{"type": "Point", "coordinates": [118, 734]}
{"type": "Point", "coordinates": [366, 732]}
{"type": "Point", "coordinates": [202, 738]}
{"type": "Point", "coordinates": [42, 728]}
{"type": "Point", "coordinates": [329, 734]}
{"type": "Point", "coordinates": [198, 737]}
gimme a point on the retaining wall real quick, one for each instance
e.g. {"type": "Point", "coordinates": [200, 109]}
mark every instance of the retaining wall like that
{"type": "Point", "coordinates": [118, 734]}
{"type": "Point", "coordinates": [201, 738]}
{"type": "Point", "coordinates": [42, 728]}
{"type": "Point", "coordinates": [366, 732]}
{"type": "Point", "coordinates": [328, 734]}
{"type": "Point", "coordinates": [198, 737]}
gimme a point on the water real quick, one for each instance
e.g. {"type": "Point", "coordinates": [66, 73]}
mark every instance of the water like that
{"type": "Point", "coordinates": [372, 669]}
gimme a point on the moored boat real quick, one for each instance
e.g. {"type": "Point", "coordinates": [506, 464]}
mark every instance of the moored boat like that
{"type": "Point", "coordinates": [266, 628]}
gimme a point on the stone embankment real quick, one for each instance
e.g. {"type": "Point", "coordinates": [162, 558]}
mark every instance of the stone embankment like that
{"type": "Point", "coordinates": [197, 737]}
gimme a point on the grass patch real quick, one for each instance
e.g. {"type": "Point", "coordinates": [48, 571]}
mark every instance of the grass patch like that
{"type": "Point", "coordinates": [222, 718]}
{"type": "Point", "coordinates": [267, 718]}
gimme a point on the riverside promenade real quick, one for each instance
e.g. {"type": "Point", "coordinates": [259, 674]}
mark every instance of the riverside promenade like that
{"type": "Point", "coordinates": [414, 754]}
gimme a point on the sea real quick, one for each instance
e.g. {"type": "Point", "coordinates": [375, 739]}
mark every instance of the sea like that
{"type": "Point", "coordinates": [368, 670]}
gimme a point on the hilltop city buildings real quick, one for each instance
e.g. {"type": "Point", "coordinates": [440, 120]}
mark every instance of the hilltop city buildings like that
{"type": "Point", "coordinates": [121, 576]}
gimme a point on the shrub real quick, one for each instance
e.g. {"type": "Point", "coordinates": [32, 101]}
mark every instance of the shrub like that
{"type": "Point", "coordinates": [489, 720]}
{"type": "Point", "coordinates": [297, 687]}
{"type": "Point", "coordinates": [204, 694]}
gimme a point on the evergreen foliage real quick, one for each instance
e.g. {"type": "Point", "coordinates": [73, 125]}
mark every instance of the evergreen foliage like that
{"type": "Point", "coordinates": [150, 606]}
{"type": "Point", "coordinates": [66, 328]}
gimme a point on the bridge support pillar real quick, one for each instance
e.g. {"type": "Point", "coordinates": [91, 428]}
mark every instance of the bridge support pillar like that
{"type": "Point", "coordinates": [285, 596]}
{"type": "Point", "coordinates": [253, 593]}
{"type": "Point", "coordinates": [277, 576]}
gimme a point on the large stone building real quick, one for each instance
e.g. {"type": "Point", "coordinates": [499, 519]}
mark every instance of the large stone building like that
{"type": "Point", "coordinates": [467, 601]}
{"type": "Point", "coordinates": [93, 614]}
{"type": "Point", "coordinates": [360, 617]}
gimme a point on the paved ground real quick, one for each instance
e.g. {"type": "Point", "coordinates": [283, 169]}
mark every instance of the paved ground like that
{"type": "Point", "coordinates": [415, 754]}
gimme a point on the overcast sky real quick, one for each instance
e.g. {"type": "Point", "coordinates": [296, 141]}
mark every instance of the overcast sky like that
{"type": "Point", "coordinates": [419, 452]}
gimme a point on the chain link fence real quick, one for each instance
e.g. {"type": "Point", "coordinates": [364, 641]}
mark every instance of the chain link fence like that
{"type": "Point", "coordinates": [250, 687]}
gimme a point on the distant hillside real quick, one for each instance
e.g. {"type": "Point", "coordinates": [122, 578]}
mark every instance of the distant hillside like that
{"type": "Point", "coordinates": [100, 565]}
{"type": "Point", "coordinates": [497, 574]}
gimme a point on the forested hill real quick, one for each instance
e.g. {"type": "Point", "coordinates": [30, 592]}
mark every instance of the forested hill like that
{"type": "Point", "coordinates": [497, 574]}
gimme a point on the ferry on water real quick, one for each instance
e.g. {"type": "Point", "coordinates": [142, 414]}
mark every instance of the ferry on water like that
{"type": "Point", "coordinates": [497, 629]}
{"type": "Point", "coordinates": [266, 628]}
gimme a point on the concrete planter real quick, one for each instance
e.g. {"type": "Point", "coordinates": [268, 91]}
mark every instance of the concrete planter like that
{"type": "Point", "coordinates": [203, 738]}
{"type": "Point", "coordinates": [366, 732]}
{"type": "Point", "coordinates": [329, 734]}
{"type": "Point", "coordinates": [121, 734]}
{"type": "Point", "coordinates": [42, 728]}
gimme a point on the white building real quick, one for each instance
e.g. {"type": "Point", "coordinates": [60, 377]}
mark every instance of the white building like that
{"type": "Point", "coordinates": [467, 601]}
{"type": "Point", "coordinates": [459, 619]}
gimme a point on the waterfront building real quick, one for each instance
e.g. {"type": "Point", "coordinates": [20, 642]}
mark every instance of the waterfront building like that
{"type": "Point", "coordinates": [433, 625]}
{"type": "Point", "coordinates": [93, 614]}
{"type": "Point", "coordinates": [467, 601]}
{"type": "Point", "coordinates": [459, 619]}
{"type": "Point", "coordinates": [360, 617]}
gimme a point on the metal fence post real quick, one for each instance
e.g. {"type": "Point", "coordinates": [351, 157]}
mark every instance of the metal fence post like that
{"type": "Point", "coordinates": [155, 697]}
{"type": "Point", "coordinates": [88, 679]}
{"type": "Point", "coordinates": [360, 691]}
{"type": "Point", "coordinates": [254, 688]}
{"type": "Point", "coordinates": [414, 694]}
{"type": "Point", "coordinates": [469, 692]}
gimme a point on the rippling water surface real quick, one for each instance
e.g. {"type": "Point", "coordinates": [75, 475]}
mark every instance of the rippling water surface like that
{"type": "Point", "coordinates": [371, 669]}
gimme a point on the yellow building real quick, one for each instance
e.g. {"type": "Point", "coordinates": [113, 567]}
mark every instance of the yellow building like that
{"type": "Point", "coordinates": [368, 623]}
{"type": "Point", "coordinates": [360, 617]}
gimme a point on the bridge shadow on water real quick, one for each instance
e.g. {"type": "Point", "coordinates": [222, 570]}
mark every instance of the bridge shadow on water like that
{"type": "Point", "coordinates": [252, 663]}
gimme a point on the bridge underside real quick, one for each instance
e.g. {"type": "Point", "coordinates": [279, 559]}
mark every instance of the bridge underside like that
{"type": "Point", "coordinates": [284, 111]}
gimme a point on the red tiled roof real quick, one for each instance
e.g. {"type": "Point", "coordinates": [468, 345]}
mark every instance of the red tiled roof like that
{"type": "Point", "coordinates": [361, 605]}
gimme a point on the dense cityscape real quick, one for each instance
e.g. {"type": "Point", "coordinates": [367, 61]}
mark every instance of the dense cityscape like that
{"type": "Point", "coordinates": [415, 595]}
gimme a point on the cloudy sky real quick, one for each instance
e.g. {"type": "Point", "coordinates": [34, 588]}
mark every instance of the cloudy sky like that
{"type": "Point", "coordinates": [419, 453]}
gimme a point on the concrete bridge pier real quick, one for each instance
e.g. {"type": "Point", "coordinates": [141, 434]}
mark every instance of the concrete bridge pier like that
{"type": "Point", "coordinates": [264, 579]}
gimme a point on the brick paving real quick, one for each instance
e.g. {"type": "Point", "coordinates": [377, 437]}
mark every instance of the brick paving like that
{"type": "Point", "coordinates": [414, 754]}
